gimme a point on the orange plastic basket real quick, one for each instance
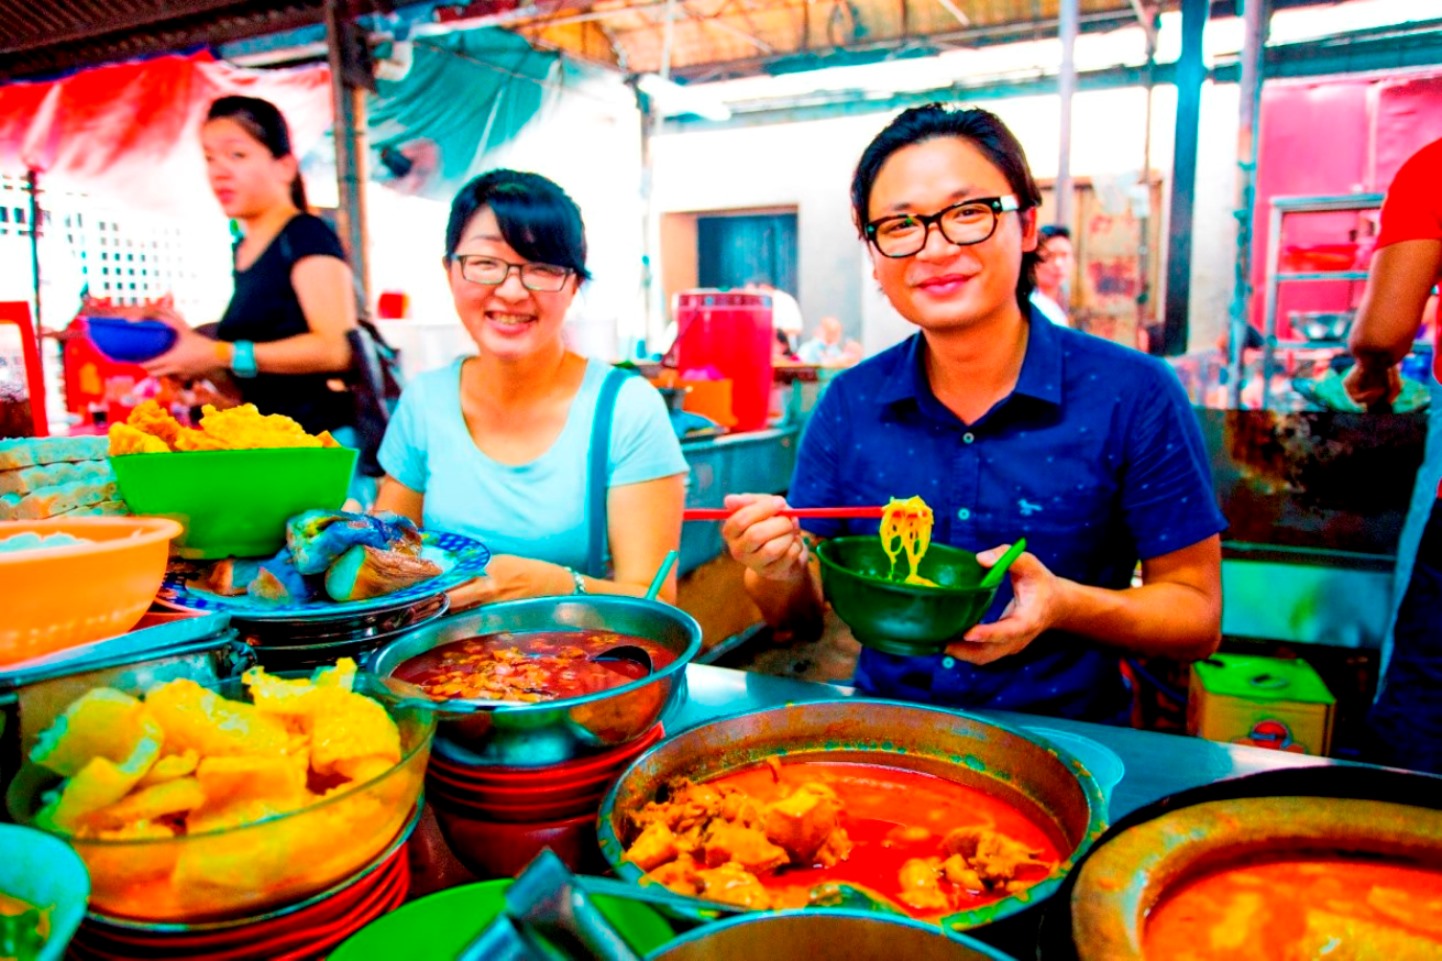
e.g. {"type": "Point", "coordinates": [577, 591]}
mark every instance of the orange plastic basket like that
{"type": "Point", "coordinates": [55, 598]}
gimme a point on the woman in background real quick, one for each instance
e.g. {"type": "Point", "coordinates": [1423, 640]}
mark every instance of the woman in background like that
{"type": "Point", "coordinates": [567, 468]}
{"type": "Point", "coordinates": [283, 337]}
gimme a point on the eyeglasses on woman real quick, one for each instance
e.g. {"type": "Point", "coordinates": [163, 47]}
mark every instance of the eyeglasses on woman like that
{"type": "Point", "coordinates": [492, 272]}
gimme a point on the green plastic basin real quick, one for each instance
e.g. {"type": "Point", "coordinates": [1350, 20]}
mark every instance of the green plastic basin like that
{"type": "Point", "coordinates": [234, 503]}
{"type": "Point", "coordinates": [438, 926]}
{"type": "Point", "coordinates": [907, 619]}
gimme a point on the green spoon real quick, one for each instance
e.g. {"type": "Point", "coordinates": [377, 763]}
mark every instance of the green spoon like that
{"type": "Point", "coordinates": [661, 573]}
{"type": "Point", "coordinates": [998, 570]}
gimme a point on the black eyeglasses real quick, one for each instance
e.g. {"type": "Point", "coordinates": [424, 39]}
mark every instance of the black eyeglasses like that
{"type": "Point", "coordinates": [492, 272]}
{"type": "Point", "coordinates": [964, 223]}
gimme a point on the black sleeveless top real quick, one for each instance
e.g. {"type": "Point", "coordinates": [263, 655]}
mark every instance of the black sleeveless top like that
{"type": "Point", "coordinates": [265, 308]}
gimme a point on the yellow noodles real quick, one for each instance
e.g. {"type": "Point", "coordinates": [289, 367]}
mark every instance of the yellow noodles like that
{"type": "Point", "coordinates": [906, 528]}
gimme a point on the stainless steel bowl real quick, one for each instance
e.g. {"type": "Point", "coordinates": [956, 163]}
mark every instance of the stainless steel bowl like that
{"type": "Point", "coordinates": [1322, 324]}
{"type": "Point", "coordinates": [1052, 789]}
{"type": "Point", "coordinates": [835, 935]}
{"type": "Point", "coordinates": [549, 732]}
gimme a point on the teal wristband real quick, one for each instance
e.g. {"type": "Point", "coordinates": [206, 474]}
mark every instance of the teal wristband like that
{"type": "Point", "coordinates": [242, 359]}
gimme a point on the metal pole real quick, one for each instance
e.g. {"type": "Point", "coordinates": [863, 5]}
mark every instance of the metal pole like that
{"type": "Point", "coordinates": [1068, 27]}
{"type": "Point", "coordinates": [655, 314]}
{"type": "Point", "coordinates": [1191, 72]}
{"type": "Point", "coordinates": [651, 125]}
{"type": "Point", "coordinates": [1256, 17]}
{"type": "Point", "coordinates": [346, 67]}
{"type": "Point", "coordinates": [32, 187]}
{"type": "Point", "coordinates": [1144, 224]}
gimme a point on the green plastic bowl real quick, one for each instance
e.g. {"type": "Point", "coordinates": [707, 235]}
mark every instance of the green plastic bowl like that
{"type": "Point", "coordinates": [234, 503]}
{"type": "Point", "coordinates": [897, 618]}
{"type": "Point", "coordinates": [43, 871]}
{"type": "Point", "coordinates": [439, 926]}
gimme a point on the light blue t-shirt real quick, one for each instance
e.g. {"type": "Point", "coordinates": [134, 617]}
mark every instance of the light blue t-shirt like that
{"type": "Point", "coordinates": [538, 509]}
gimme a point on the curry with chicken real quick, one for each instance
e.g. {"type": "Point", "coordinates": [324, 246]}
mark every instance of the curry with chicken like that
{"type": "Point", "coordinates": [777, 835]}
{"type": "Point", "coordinates": [1332, 907]}
{"type": "Point", "coordinates": [529, 666]}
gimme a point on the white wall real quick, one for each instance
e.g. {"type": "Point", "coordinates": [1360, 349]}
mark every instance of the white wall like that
{"type": "Point", "coordinates": [586, 138]}
{"type": "Point", "coordinates": [809, 165]}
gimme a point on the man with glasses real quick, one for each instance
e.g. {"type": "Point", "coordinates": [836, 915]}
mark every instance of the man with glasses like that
{"type": "Point", "coordinates": [1008, 426]}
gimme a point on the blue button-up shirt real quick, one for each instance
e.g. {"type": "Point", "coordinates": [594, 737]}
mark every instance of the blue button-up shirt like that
{"type": "Point", "coordinates": [1095, 457]}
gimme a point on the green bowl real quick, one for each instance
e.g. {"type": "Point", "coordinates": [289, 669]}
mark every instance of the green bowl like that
{"type": "Point", "coordinates": [439, 926]}
{"type": "Point", "coordinates": [234, 503]}
{"type": "Point", "coordinates": [897, 618]}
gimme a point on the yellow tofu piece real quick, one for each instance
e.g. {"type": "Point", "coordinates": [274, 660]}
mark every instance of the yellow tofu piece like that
{"type": "Point", "coordinates": [101, 723]}
{"type": "Point", "coordinates": [198, 719]}
{"type": "Point", "coordinates": [175, 796]}
{"type": "Point", "coordinates": [347, 727]}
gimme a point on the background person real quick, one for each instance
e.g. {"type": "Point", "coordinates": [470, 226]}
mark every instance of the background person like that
{"type": "Point", "coordinates": [829, 347]}
{"type": "Point", "coordinates": [1056, 259]}
{"type": "Point", "coordinates": [283, 337]}
{"type": "Point", "coordinates": [785, 311]}
{"type": "Point", "coordinates": [1405, 723]}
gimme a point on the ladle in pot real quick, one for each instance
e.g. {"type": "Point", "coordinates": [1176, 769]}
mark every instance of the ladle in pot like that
{"type": "Point", "coordinates": [631, 652]}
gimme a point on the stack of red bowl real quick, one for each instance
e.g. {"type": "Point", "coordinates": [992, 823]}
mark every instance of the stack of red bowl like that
{"type": "Point", "coordinates": [496, 819]}
{"type": "Point", "coordinates": [306, 931]}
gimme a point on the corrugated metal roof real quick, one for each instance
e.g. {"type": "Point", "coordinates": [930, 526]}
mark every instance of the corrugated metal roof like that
{"type": "Point", "coordinates": [39, 37]}
{"type": "Point", "coordinates": [708, 38]}
{"type": "Point", "coordinates": [725, 37]}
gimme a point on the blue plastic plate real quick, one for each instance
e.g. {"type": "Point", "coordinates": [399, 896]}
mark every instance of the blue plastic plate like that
{"type": "Point", "coordinates": [459, 558]}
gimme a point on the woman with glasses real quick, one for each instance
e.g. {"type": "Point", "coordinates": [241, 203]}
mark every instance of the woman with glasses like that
{"type": "Point", "coordinates": [567, 469]}
{"type": "Point", "coordinates": [1008, 426]}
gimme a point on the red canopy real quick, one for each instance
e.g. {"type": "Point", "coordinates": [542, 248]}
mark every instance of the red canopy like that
{"type": "Point", "coordinates": [129, 131]}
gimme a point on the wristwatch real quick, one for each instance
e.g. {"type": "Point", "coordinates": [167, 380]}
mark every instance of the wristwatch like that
{"type": "Point", "coordinates": [577, 580]}
{"type": "Point", "coordinates": [242, 359]}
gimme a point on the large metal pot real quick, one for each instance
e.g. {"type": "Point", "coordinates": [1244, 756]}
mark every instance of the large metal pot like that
{"type": "Point", "coordinates": [835, 935]}
{"type": "Point", "coordinates": [1051, 788]}
{"type": "Point", "coordinates": [549, 732]}
{"type": "Point", "coordinates": [1100, 909]}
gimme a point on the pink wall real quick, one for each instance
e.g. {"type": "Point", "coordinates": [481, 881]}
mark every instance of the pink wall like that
{"type": "Point", "coordinates": [1334, 136]}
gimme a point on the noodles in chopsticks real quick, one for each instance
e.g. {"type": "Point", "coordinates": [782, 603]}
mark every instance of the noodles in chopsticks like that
{"type": "Point", "coordinates": [906, 529]}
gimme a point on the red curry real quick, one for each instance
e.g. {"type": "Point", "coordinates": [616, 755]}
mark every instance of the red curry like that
{"type": "Point", "coordinates": [528, 666]}
{"type": "Point", "coordinates": [1301, 907]}
{"type": "Point", "coordinates": [902, 834]}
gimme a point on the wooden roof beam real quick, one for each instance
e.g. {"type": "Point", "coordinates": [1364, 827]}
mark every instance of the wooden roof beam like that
{"type": "Point", "coordinates": [950, 7]}
{"type": "Point", "coordinates": [737, 32]}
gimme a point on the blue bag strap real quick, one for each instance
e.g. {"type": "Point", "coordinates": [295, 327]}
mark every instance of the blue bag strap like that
{"type": "Point", "coordinates": [596, 473]}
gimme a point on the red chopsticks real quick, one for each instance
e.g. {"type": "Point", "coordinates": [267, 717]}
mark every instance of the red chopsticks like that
{"type": "Point", "coordinates": [835, 513]}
